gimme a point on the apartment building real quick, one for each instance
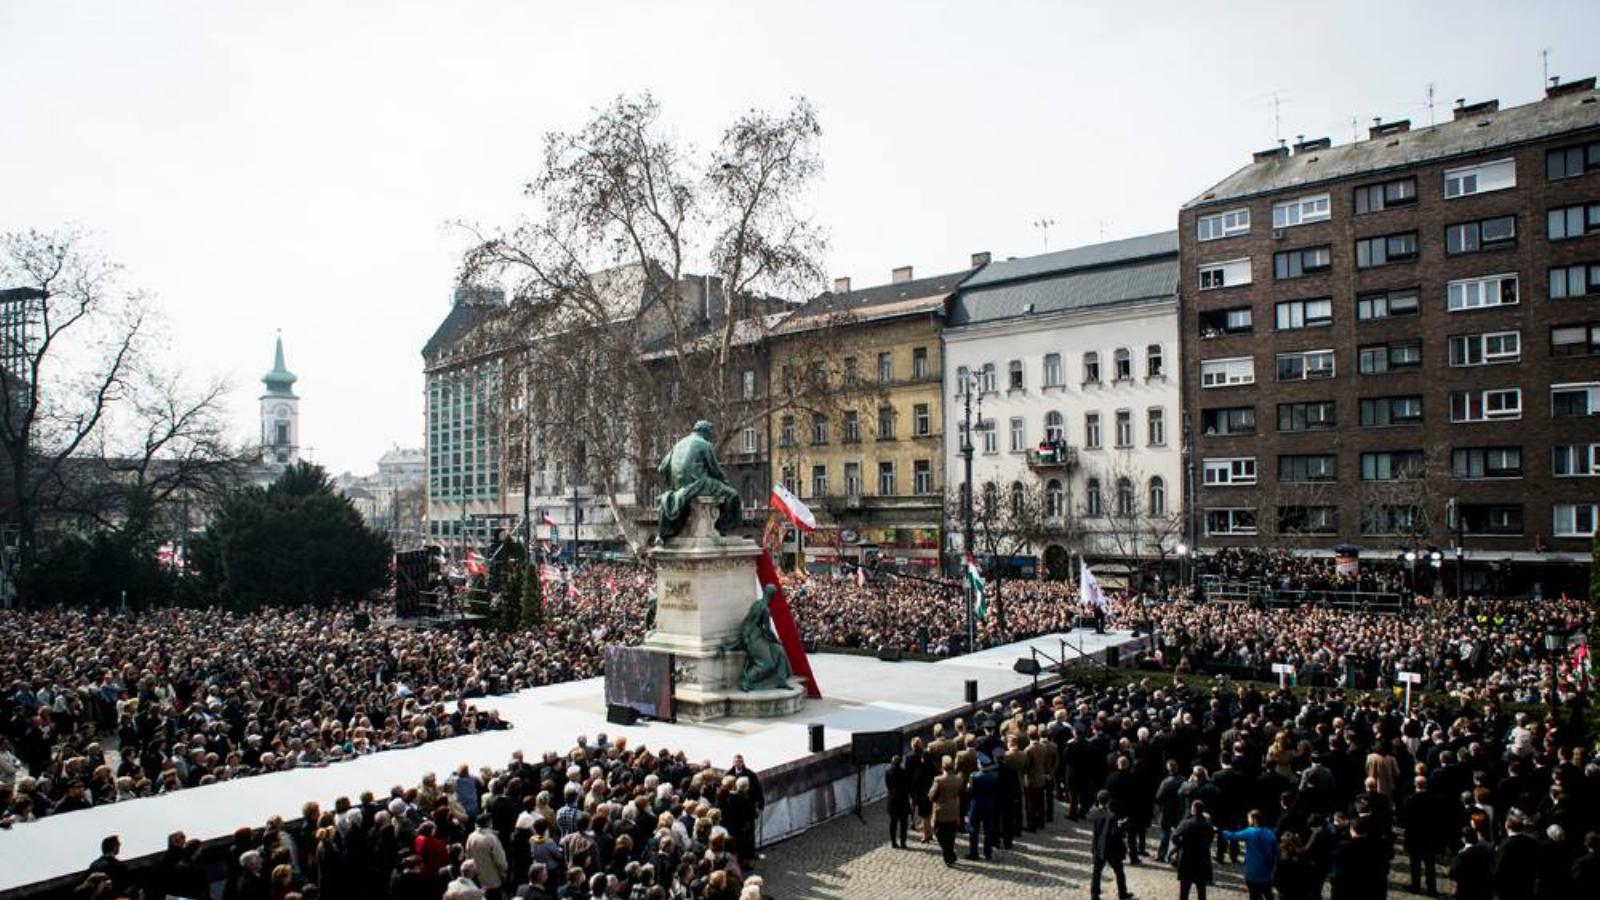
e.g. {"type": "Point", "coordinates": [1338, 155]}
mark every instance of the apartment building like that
{"type": "Point", "coordinates": [1395, 343]}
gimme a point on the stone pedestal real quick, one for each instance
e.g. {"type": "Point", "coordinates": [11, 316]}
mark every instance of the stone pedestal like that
{"type": "Point", "coordinates": [705, 584]}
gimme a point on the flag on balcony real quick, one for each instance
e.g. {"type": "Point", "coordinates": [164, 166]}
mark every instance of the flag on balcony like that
{"type": "Point", "coordinates": [792, 508]}
{"type": "Point", "coordinates": [476, 564]}
{"type": "Point", "coordinates": [1089, 587]}
{"type": "Point", "coordinates": [980, 603]}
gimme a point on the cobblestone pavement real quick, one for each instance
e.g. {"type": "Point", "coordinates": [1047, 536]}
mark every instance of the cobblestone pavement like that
{"type": "Point", "coordinates": [848, 859]}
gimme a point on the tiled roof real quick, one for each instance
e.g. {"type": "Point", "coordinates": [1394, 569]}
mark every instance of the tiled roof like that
{"type": "Point", "coordinates": [1100, 275]}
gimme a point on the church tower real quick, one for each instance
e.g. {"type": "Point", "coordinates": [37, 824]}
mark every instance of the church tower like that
{"type": "Point", "coordinates": [280, 414]}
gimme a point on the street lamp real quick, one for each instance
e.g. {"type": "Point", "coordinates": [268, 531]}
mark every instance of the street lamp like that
{"type": "Point", "coordinates": [1183, 563]}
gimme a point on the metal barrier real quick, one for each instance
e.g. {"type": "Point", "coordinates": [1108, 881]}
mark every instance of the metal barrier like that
{"type": "Point", "coordinates": [1255, 593]}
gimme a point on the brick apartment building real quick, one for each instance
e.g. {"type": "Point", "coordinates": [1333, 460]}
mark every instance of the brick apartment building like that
{"type": "Point", "coordinates": [1395, 343]}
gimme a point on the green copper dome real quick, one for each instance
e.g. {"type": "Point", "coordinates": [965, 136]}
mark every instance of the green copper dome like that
{"type": "Point", "coordinates": [280, 381]}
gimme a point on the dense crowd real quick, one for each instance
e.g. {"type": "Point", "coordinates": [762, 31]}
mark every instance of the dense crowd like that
{"type": "Point", "coordinates": [1283, 570]}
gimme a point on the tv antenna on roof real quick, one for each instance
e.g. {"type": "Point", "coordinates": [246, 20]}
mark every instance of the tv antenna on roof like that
{"type": "Point", "coordinates": [1544, 57]}
{"type": "Point", "coordinates": [1044, 229]}
{"type": "Point", "coordinates": [1430, 104]}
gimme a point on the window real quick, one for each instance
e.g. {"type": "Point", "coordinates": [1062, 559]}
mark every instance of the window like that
{"type": "Point", "coordinates": [1226, 372]}
{"type": "Point", "coordinates": [1312, 416]}
{"type": "Point", "coordinates": [1484, 406]}
{"type": "Point", "coordinates": [1091, 368]}
{"type": "Point", "coordinates": [786, 432]}
{"type": "Point", "coordinates": [1486, 462]}
{"type": "Point", "coordinates": [963, 377]}
{"type": "Point", "coordinates": [1378, 412]}
{"type": "Point", "coordinates": [1574, 519]}
{"type": "Point", "coordinates": [919, 363]}
{"type": "Point", "coordinates": [1308, 520]}
{"type": "Point", "coordinates": [1158, 497]}
{"type": "Point", "coordinates": [788, 477]}
{"type": "Point", "coordinates": [852, 427]}
{"type": "Point", "coordinates": [1305, 365]}
{"type": "Point", "coordinates": [1481, 293]}
{"type": "Point", "coordinates": [852, 371]}
{"type": "Point", "coordinates": [1228, 420]}
{"type": "Point", "coordinates": [1485, 234]}
{"type": "Point", "coordinates": [1092, 505]}
{"type": "Point", "coordinates": [1491, 518]}
{"type": "Point", "coordinates": [852, 479]}
{"type": "Point", "coordinates": [1014, 375]}
{"type": "Point", "coordinates": [1055, 430]}
{"type": "Point", "coordinates": [885, 368]}
{"type": "Point", "coordinates": [922, 476]}
{"type": "Point", "coordinates": [1300, 211]}
{"type": "Point", "coordinates": [1575, 460]}
{"type": "Point", "coordinates": [1376, 359]}
{"type": "Point", "coordinates": [1480, 179]}
{"type": "Point", "coordinates": [819, 429]}
{"type": "Point", "coordinates": [1122, 364]}
{"type": "Point", "coordinates": [1230, 521]}
{"type": "Point", "coordinates": [1390, 519]}
{"type": "Point", "coordinates": [749, 383]}
{"type": "Point", "coordinates": [1384, 195]}
{"type": "Point", "coordinates": [819, 481]}
{"type": "Point", "coordinates": [1154, 365]}
{"type": "Point", "coordinates": [921, 420]}
{"type": "Point", "coordinates": [1055, 505]}
{"type": "Point", "coordinates": [1312, 468]}
{"type": "Point", "coordinates": [1223, 225]}
{"type": "Point", "coordinates": [1298, 263]}
{"type": "Point", "coordinates": [1391, 465]}
{"type": "Point", "coordinates": [991, 436]}
{"type": "Point", "coordinates": [1219, 322]}
{"type": "Point", "coordinates": [1230, 273]}
{"type": "Point", "coordinates": [1575, 399]}
{"type": "Point", "coordinates": [1568, 222]}
{"type": "Point", "coordinates": [1124, 428]}
{"type": "Point", "coordinates": [1304, 313]}
{"type": "Point", "coordinates": [1581, 280]}
{"type": "Point", "coordinates": [1019, 439]}
{"type": "Point", "coordinates": [885, 423]}
{"type": "Point", "coordinates": [886, 479]}
{"type": "Point", "coordinates": [1388, 304]}
{"type": "Point", "coordinates": [1126, 505]}
{"type": "Point", "coordinates": [1575, 340]}
{"type": "Point", "coordinates": [749, 445]}
{"type": "Point", "coordinates": [1570, 162]}
{"type": "Point", "coordinates": [1230, 472]}
{"type": "Point", "coordinates": [1052, 370]}
{"type": "Point", "coordinates": [1156, 425]}
{"type": "Point", "coordinates": [1091, 430]}
{"type": "Point", "coordinates": [1390, 248]}
{"type": "Point", "coordinates": [987, 380]}
{"type": "Point", "coordinates": [1019, 500]}
{"type": "Point", "coordinates": [1485, 349]}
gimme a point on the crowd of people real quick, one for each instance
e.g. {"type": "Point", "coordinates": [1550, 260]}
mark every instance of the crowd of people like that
{"type": "Point", "coordinates": [1283, 570]}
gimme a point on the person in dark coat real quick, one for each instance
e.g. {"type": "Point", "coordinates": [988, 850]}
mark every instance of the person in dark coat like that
{"type": "Point", "coordinates": [1422, 820]}
{"type": "Point", "coordinates": [1191, 847]}
{"type": "Point", "coordinates": [1294, 877]}
{"type": "Point", "coordinates": [923, 767]}
{"type": "Point", "coordinates": [983, 807]}
{"type": "Point", "coordinates": [1472, 870]}
{"type": "Point", "coordinates": [1170, 805]}
{"type": "Point", "coordinates": [1233, 790]}
{"type": "Point", "coordinates": [1585, 872]}
{"type": "Point", "coordinates": [1360, 865]}
{"type": "Point", "coordinates": [1516, 862]}
{"type": "Point", "coordinates": [1556, 855]}
{"type": "Point", "coordinates": [898, 782]}
{"type": "Point", "coordinates": [1108, 847]}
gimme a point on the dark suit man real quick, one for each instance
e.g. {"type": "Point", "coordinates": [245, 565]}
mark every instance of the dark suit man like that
{"type": "Point", "coordinates": [983, 807]}
{"type": "Point", "coordinates": [1108, 846]}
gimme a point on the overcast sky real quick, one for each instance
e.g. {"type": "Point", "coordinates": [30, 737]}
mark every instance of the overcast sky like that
{"type": "Point", "coordinates": [293, 165]}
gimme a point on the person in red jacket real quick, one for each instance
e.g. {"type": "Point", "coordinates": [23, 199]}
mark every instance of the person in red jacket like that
{"type": "Point", "coordinates": [428, 845]}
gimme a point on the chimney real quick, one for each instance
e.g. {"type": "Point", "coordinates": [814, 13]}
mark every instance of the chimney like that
{"type": "Point", "coordinates": [901, 275]}
{"type": "Point", "coordinates": [1466, 110]}
{"type": "Point", "coordinates": [841, 285]}
{"type": "Point", "coordinates": [1380, 129]}
{"type": "Point", "coordinates": [980, 258]}
{"type": "Point", "coordinates": [1556, 89]}
{"type": "Point", "coordinates": [1274, 153]}
{"type": "Point", "coordinates": [1321, 143]}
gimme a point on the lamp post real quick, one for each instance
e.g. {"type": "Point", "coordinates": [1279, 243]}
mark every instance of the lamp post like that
{"type": "Point", "coordinates": [967, 502]}
{"type": "Point", "coordinates": [1411, 576]}
{"type": "Point", "coordinates": [1183, 564]}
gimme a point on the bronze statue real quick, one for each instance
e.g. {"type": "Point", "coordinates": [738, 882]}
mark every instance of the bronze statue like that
{"type": "Point", "coordinates": [690, 469]}
{"type": "Point", "coordinates": [766, 665]}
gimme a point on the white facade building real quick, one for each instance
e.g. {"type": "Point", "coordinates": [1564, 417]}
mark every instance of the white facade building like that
{"type": "Point", "coordinates": [1074, 363]}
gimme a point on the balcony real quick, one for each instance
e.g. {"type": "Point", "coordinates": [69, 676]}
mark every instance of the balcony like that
{"type": "Point", "coordinates": [1058, 457]}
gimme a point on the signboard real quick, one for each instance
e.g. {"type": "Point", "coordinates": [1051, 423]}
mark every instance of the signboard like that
{"type": "Point", "coordinates": [641, 679]}
{"type": "Point", "coordinates": [871, 748]}
{"type": "Point", "coordinates": [1411, 677]}
{"type": "Point", "coordinates": [1284, 671]}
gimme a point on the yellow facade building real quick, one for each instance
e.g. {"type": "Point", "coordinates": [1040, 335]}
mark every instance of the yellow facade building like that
{"type": "Point", "coordinates": [858, 426]}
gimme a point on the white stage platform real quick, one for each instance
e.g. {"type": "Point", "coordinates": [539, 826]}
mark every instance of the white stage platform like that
{"type": "Point", "coordinates": [860, 693]}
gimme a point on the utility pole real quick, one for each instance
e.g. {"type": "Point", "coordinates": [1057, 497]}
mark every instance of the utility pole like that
{"type": "Point", "coordinates": [966, 507]}
{"type": "Point", "coordinates": [1189, 496]}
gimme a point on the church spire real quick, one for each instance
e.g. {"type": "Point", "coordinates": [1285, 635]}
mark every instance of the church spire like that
{"type": "Point", "coordinates": [280, 381]}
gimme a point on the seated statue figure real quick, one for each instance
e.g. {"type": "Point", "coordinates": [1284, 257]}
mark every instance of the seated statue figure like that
{"type": "Point", "coordinates": [690, 469]}
{"type": "Point", "coordinates": [766, 665]}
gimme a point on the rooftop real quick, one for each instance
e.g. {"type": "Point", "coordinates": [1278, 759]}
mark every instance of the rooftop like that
{"type": "Point", "coordinates": [1081, 278]}
{"type": "Point", "coordinates": [884, 301]}
{"type": "Point", "coordinates": [1477, 128]}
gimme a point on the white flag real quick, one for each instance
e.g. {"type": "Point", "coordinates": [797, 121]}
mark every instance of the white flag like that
{"type": "Point", "coordinates": [1092, 594]}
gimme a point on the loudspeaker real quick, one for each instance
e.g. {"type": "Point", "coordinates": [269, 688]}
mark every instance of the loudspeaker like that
{"type": "Point", "coordinates": [362, 621]}
{"type": "Point", "coordinates": [972, 691]}
{"type": "Point", "coordinates": [890, 654]}
{"type": "Point", "coordinates": [811, 646]}
{"type": "Point", "coordinates": [621, 714]}
{"type": "Point", "coordinates": [816, 737]}
{"type": "Point", "coordinates": [1113, 657]}
{"type": "Point", "coordinates": [1026, 665]}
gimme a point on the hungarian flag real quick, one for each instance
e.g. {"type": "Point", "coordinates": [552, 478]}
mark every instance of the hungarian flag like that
{"type": "Point", "coordinates": [476, 564]}
{"type": "Point", "coordinates": [792, 508]}
{"type": "Point", "coordinates": [980, 603]}
{"type": "Point", "coordinates": [1089, 587]}
{"type": "Point", "coordinates": [861, 577]}
{"type": "Point", "coordinates": [544, 519]}
{"type": "Point", "coordinates": [783, 623]}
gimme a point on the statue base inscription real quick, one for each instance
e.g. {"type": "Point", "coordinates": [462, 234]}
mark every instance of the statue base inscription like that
{"type": "Point", "coordinates": [706, 584]}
